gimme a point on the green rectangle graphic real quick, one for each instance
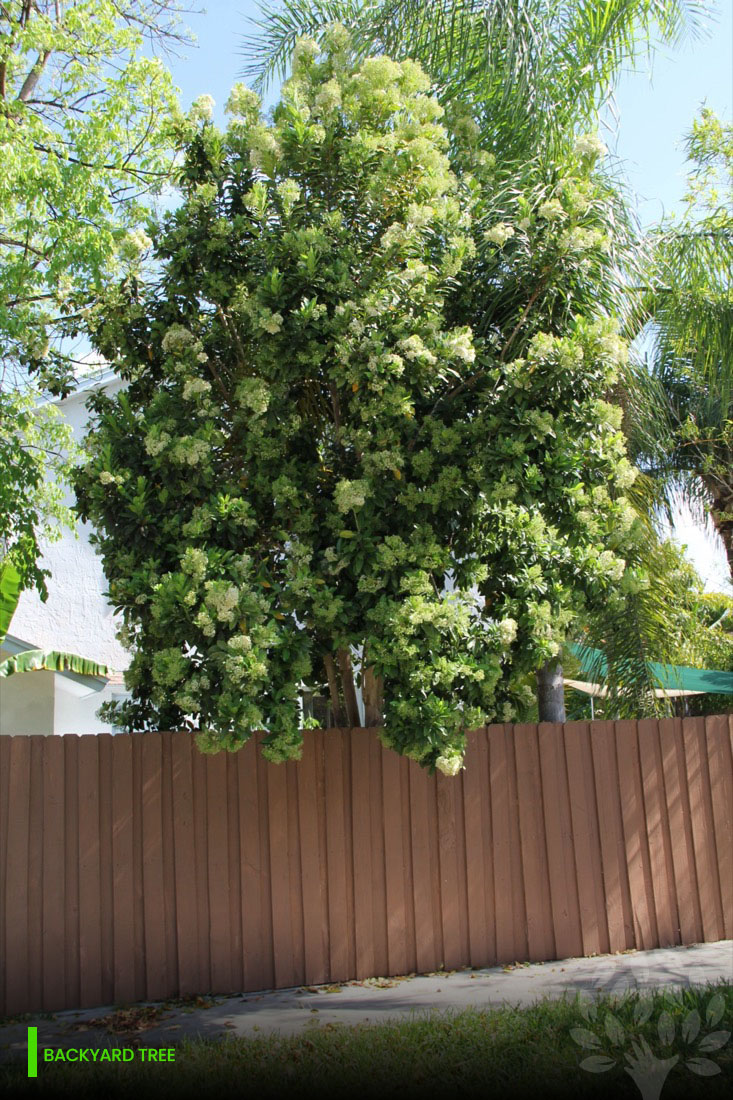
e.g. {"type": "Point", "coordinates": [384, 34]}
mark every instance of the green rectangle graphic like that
{"type": "Point", "coordinates": [33, 1052]}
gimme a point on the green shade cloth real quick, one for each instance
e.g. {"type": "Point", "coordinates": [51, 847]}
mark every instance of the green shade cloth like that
{"type": "Point", "coordinates": [669, 677]}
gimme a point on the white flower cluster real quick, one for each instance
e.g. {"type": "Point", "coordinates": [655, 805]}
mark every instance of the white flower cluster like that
{"type": "Point", "coordinates": [243, 102]}
{"type": "Point", "coordinates": [590, 145]}
{"type": "Point", "coordinates": [413, 348]}
{"type": "Point", "coordinates": [107, 478]}
{"type": "Point", "coordinates": [450, 764]}
{"type": "Point", "coordinates": [350, 495]}
{"type": "Point", "coordinates": [305, 51]}
{"type": "Point", "coordinates": [289, 191]}
{"type": "Point", "coordinates": [195, 387]}
{"type": "Point", "coordinates": [190, 451]}
{"type": "Point", "coordinates": [156, 441]}
{"type": "Point", "coordinates": [507, 632]}
{"type": "Point", "coordinates": [583, 240]}
{"type": "Point", "coordinates": [614, 348]}
{"type": "Point", "coordinates": [222, 599]}
{"type": "Point", "coordinates": [202, 109]}
{"type": "Point", "coordinates": [263, 147]}
{"type": "Point", "coordinates": [499, 234]}
{"type": "Point", "coordinates": [240, 643]}
{"type": "Point", "coordinates": [551, 210]}
{"type": "Point", "coordinates": [194, 562]}
{"type": "Point", "coordinates": [135, 243]}
{"type": "Point", "coordinates": [271, 322]}
{"type": "Point", "coordinates": [329, 97]}
{"type": "Point", "coordinates": [177, 339]}
{"type": "Point", "coordinates": [610, 566]}
{"type": "Point", "coordinates": [253, 394]}
{"type": "Point", "coordinates": [206, 623]}
{"type": "Point", "coordinates": [459, 344]}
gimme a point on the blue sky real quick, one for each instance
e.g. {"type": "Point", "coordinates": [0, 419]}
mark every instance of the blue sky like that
{"type": "Point", "coordinates": [654, 107]}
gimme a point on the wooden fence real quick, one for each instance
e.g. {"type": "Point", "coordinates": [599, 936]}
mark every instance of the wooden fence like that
{"type": "Point", "coordinates": [134, 868]}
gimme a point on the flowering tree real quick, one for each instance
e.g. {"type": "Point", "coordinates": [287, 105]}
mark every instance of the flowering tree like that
{"type": "Point", "coordinates": [318, 470]}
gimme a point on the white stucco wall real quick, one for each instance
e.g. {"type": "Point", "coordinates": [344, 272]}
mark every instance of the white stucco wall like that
{"type": "Point", "coordinates": [76, 617]}
{"type": "Point", "coordinates": [26, 702]}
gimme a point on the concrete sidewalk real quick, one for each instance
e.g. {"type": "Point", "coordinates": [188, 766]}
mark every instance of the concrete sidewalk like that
{"type": "Point", "coordinates": [373, 1001]}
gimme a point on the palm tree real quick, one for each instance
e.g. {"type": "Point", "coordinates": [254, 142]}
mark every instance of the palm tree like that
{"type": "Point", "coordinates": [533, 75]}
{"type": "Point", "coordinates": [679, 409]}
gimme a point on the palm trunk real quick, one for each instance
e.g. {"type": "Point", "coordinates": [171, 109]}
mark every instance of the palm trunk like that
{"type": "Point", "coordinates": [721, 513]}
{"type": "Point", "coordinates": [550, 693]}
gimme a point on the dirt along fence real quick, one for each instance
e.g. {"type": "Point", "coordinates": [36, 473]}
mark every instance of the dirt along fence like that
{"type": "Point", "coordinates": [134, 868]}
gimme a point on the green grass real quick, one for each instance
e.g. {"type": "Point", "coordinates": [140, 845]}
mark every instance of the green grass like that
{"type": "Point", "coordinates": [499, 1053]}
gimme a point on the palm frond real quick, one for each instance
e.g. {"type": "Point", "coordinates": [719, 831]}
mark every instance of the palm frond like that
{"type": "Point", "coordinates": [36, 660]}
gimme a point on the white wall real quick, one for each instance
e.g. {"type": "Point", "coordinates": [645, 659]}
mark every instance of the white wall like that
{"type": "Point", "coordinates": [76, 617]}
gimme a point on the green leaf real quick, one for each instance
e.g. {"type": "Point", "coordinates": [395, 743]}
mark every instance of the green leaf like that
{"type": "Point", "coordinates": [10, 588]}
{"type": "Point", "coordinates": [35, 660]}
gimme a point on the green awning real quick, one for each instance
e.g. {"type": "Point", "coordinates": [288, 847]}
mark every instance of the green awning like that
{"type": "Point", "coordinates": [669, 677]}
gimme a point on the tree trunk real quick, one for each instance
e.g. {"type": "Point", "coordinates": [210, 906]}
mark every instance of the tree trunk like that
{"type": "Point", "coordinates": [550, 692]}
{"type": "Point", "coordinates": [339, 713]}
{"type": "Point", "coordinates": [372, 689]}
{"type": "Point", "coordinates": [348, 687]}
{"type": "Point", "coordinates": [721, 513]}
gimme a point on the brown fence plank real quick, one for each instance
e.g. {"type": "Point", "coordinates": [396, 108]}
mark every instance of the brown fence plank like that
{"type": "Point", "coordinates": [168, 796]}
{"type": "Point", "coordinates": [657, 830]}
{"type": "Point", "coordinates": [680, 830]}
{"type": "Point", "coordinates": [282, 932]}
{"type": "Point", "coordinates": [17, 945]}
{"type": "Point", "coordinates": [717, 730]}
{"type": "Point", "coordinates": [703, 829]}
{"type": "Point", "coordinates": [35, 873]}
{"type": "Point", "coordinates": [377, 843]}
{"type": "Point", "coordinates": [633, 819]}
{"type": "Point", "coordinates": [217, 862]}
{"type": "Point", "coordinates": [586, 838]}
{"type": "Point", "coordinates": [396, 858]}
{"type": "Point", "coordinates": [90, 873]}
{"type": "Point", "coordinates": [618, 903]}
{"type": "Point", "coordinates": [258, 962]}
{"type": "Point", "coordinates": [123, 868]}
{"type": "Point", "coordinates": [501, 809]}
{"type": "Point", "coordinates": [186, 884]}
{"type": "Point", "coordinates": [339, 855]}
{"type": "Point", "coordinates": [233, 874]}
{"type": "Point", "coordinates": [295, 878]}
{"type": "Point", "coordinates": [540, 938]}
{"type": "Point", "coordinates": [656, 812]}
{"type": "Point", "coordinates": [364, 855]}
{"type": "Point", "coordinates": [558, 830]}
{"type": "Point", "coordinates": [452, 881]}
{"type": "Point", "coordinates": [5, 743]}
{"type": "Point", "coordinates": [315, 909]}
{"type": "Point", "coordinates": [156, 978]}
{"type": "Point", "coordinates": [479, 851]}
{"type": "Point", "coordinates": [106, 898]}
{"type": "Point", "coordinates": [54, 875]}
{"type": "Point", "coordinates": [427, 944]}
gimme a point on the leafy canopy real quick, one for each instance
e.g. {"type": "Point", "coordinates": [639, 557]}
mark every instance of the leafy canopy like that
{"type": "Point", "coordinates": [314, 441]}
{"type": "Point", "coordinates": [85, 135]}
